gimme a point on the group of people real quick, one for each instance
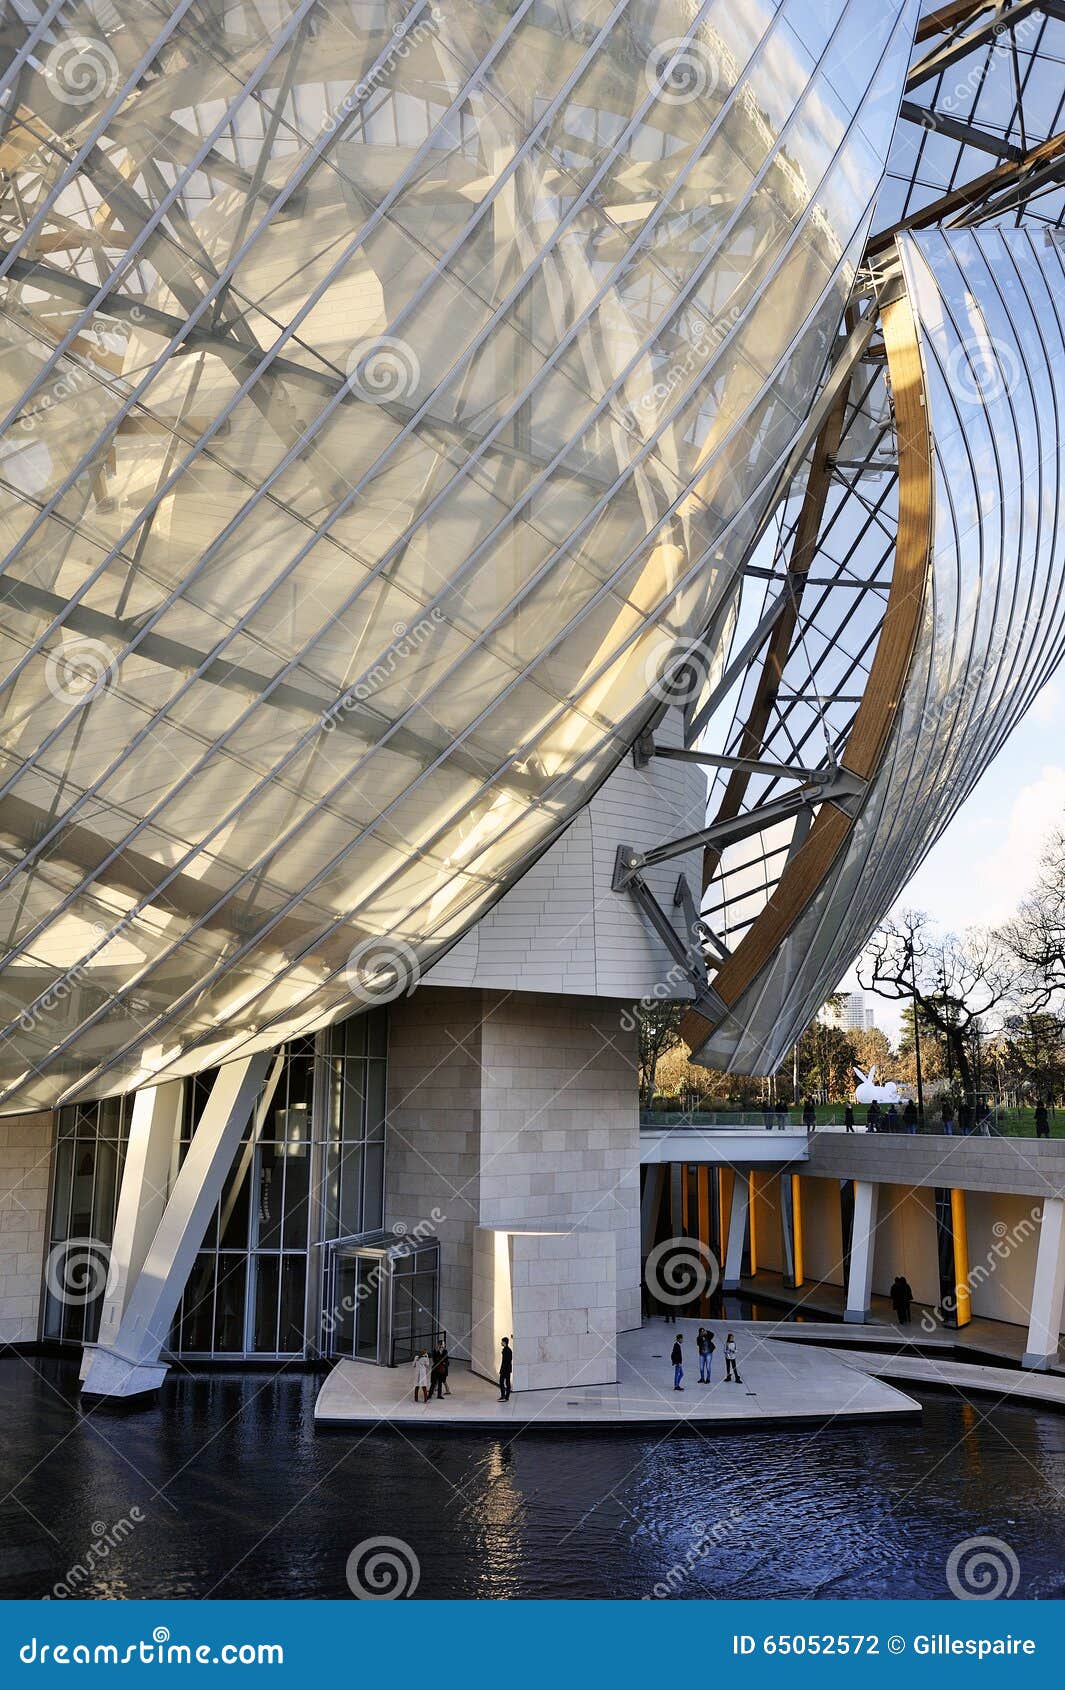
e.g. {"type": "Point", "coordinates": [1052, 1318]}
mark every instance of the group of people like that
{"type": "Point", "coordinates": [431, 1371]}
{"type": "Point", "coordinates": [706, 1344]}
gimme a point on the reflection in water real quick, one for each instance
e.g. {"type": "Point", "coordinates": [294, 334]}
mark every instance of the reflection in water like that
{"type": "Point", "coordinates": [241, 1497]}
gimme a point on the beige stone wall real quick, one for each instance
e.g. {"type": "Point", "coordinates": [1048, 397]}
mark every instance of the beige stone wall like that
{"type": "Point", "coordinates": [822, 1231]}
{"type": "Point", "coordinates": [906, 1241]}
{"type": "Point", "coordinates": [513, 1110]}
{"type": "Point", "coordinates": [25, 1159]}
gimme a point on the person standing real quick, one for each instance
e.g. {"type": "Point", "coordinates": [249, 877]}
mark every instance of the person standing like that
{"type": "Point", "coordinates": [1042, 1120]}
{"type": "Point", "coordinates": [421, 1375]}
{"type": "Point", "coordinates": [445, 1366]}
{"type": "Point", "coordinates": [506, 1369]}
{"type": "Point", "coordinates": [809, 1115]}
{"type": "Point", "coordinates": [676, 1356]}
{"type": "Point", "coordinates": [848, 1119]}
{"type": "Point", "coordinates": [948, 1117]}
{"type": "Point", "coordinates": [909, 1117]}
{"type": "Point", "coordinates": [872, 1119]}
{"type": "Point", "coordinates": [436, 1376]}
{"type": "Point", "coordinates": [891, 1119]}
{"type": "Point", "coordinates": [902, 1299]}
{"type": "Point", "coordinates": [782, 1118]}
{"type": "Point", "coordinates": [732, 1372]}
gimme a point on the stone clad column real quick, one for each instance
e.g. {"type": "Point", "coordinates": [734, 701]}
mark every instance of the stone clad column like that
{"type": "Point", "coordinates": [863, 1241]}
{"type": "Point", "coordinates": [737, 1230]}
{"type": "Point", "coordinates": [129, 1366]}
{"type": "Point", "coordinates": [1048, 1289]}
{"type": "Point", "coordinates": [153, 1129]}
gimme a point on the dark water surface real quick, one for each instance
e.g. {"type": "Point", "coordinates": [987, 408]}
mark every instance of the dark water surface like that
{"type": "Point", "coordinates": [241, 1497]}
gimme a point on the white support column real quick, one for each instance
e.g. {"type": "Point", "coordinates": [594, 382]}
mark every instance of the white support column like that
{"type": "Point", "coordinates": [737, 1229]}
{"type": "Point", "coordinates": [129, 1366]}
{"type": "Point", "coordinates": [863, 1242]}
{"type": "Point", "coordinates": [1048, 1288]}
{"type": "Point", "coordinates": [153, 1130]}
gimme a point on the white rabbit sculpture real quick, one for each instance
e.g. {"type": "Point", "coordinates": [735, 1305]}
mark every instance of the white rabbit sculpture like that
{"type": "Point", "coordinates": [867, 1090]}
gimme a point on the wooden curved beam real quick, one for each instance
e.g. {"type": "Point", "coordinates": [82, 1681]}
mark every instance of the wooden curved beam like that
{"type": "Point", "coordinates": [875, 717]}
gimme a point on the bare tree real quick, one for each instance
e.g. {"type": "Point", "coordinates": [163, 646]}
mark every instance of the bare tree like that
{"type": "Point", "coordinates": [1036, 935]}
{"type": "Point", "coordinates": [961, 986]}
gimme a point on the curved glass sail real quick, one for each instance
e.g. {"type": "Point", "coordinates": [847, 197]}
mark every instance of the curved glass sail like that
{"type": "Point", "coordinates": [988, 309]}
{"type": "Point", "coordinates": [388, 390]}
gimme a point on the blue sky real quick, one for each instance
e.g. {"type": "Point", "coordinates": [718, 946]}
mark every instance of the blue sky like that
{"type": "Point", "coordinates": [989, 856]}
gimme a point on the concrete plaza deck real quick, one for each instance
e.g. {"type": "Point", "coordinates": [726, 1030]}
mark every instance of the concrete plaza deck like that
{"type": "Point", "coordinates": [783, 1385]}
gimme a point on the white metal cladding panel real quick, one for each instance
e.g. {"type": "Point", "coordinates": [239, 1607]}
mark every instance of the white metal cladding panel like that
{"type": "Point", "coordinates": [563, 928]}
{"type": "Point", "coordinates": [495, 323]}
{"type": "Point", "coordinates": [990, 311]}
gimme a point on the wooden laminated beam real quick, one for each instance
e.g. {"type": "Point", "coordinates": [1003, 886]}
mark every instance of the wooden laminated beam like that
{"type": "Point", "coordinates": [876, 715]}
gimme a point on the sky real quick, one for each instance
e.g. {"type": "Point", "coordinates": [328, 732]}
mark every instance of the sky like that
{"type": "Point", "coordinates": [989, 856]}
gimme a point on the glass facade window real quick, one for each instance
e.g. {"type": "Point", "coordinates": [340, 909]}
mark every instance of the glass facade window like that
{"type": "Point", "coordinates": [555, 285]}
{"type": "Point", "coordinates": [87, 1164]}
{"type": "Point", "coordinates": [310, 1170]}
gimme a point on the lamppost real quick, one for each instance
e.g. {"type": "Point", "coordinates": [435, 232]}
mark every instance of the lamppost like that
{"type": "Point", "coordinates": [911, 958]}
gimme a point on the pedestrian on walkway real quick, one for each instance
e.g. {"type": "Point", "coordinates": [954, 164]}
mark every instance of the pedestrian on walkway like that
{"type": "Point", "coordinates": [506, 1369]}
{"type": "Point", "coordinates": [872, 1119]}
{"type": "Point", "coordinates": [782, 1117]}
{"type": "Point", "coordinates": [848, 1119]}
{"type": "Point", "coordinates": [421, 1375]}
{"type": "Point", "coordinates": [1042, 1120]}
{"type": "Point", "coordinates": [706, 1347]}
{"type": "Point", "coordinates": [732, 1372]}
{"type": "Point", "coordinates": [809, 1115]}
{"type": "Point", "coordinates": [676, 1356]}
{"type": "Point", "coordinates": [948, 1117]}
{"type": "Point", "coordinates": [436, 1376]}
{"type": "Point", "coordinates": [901, 1299]}
{"type": "Point", "coordinates": [909, 1117]}
{"type": "Point", "coordinates": [891, 1119]}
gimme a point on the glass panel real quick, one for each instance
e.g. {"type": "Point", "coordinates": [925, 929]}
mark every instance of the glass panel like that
{"type": "Point", "coordinates": [269, 1190]}
{"type": "Point", "coordinates": [197, 1306]}
{"type": "Point", "coordinates": [290, 1313]}
{"type": "Point", "coordinates": [373, 1201]}
{"type": "Point", "coordinates": [267, 1277]}
{"type": "Point", "coordinates": [368, 1282]}
{"type": "Point", "coordinates": [229, 1305]}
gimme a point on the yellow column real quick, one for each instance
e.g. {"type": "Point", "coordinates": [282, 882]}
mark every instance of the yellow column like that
{"type": "Point", "coordinates": [959, 1227]}
{"type": "Point", "coordinates": [684, 1198]}
{"type": "Point", "coordinates": [796, 1217]}
{"type": "Point", "coordinates": [724, 1206]}
{"type": "Point", "coordinates": [752, 1222]}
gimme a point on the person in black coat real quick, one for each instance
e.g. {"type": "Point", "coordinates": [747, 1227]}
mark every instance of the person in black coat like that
{"type": "Point", "coordinates": [676, 1356]}
{"type": "Point", "coordinates": [1042, 1120]}
{"type": "Point", "coordinates": [506, 1368]}
{"type": "Point", "coordinates": [848, 1118]}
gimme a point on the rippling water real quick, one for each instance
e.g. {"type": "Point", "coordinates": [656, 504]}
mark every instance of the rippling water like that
{"type": "Point", "coordinates": [240, 1497]}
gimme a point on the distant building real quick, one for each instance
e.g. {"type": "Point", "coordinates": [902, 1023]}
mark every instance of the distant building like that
{"type": "Point", "coordinates": [854, 1014]}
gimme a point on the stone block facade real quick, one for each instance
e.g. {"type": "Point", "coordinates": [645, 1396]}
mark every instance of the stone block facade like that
{"type": "Point", "coordinates": [25, 1161]}
{"type": "Point", "coordinates": [554, 1294]}
{"type": "Point", "coordinates": [517, 1113]}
